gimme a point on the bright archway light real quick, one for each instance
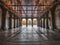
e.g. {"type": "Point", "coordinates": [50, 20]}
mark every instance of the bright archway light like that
{"type": "Point", "coordinates": [35, 19]}
{"type": "Point", "coordinates": [23, 19]}
{"type": "Point", "coordinates": [29, 19]}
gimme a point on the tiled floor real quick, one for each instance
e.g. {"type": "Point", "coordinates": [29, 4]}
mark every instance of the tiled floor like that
{"type": "Point", "coordinates": [28, 36]}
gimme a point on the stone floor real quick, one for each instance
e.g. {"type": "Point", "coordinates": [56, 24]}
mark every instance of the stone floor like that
{"type": "Point", "coordinates": [28, 36]}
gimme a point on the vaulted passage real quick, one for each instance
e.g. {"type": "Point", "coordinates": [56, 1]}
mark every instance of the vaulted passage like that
{"type": "Point", "coordinates": [29, 22]}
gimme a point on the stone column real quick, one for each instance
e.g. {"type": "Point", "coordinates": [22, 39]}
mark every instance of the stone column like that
{"type": "Point", "coordinates": [44, 22]}
{"type": "Point", "coordinates": [10, 21]}
{"type": "Point", "coordinates": [0, 17]}
{"type": "Point", "coordinates": [47, 26]}
{"type": "Point", "coordinates": [14, 21]}
{"type": "Point", "coordinates": [3, 18]}
{"type": "Point", "coordinates": [38, 22]}
{"type": "Point", "coordinates": [41, 22]}
{"type": "Point", "coordinates": [32, 22]}
{"type": "Point", "coordinates": [53, 17]}
{"type": "Point", "coordinates": [26, 22]}
{"type": "Point", "coordinates": [17, 22]}
{"type": "Point", "coordinates": [20, 22]}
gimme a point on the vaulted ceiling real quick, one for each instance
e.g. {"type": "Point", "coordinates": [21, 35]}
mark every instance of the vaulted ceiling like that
{"type": "Point", "coordinates": [29, 8]}
{"type": "Point", "coordinates": [34, 7]}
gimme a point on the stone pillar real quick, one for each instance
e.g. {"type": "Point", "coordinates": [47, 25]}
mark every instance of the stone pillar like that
{"type": "Point", "coordinates": [3, 18]}
{"type": "Point", "coordinates": [0, 17]}
{"type": "Point", "coordinates": [38, 22]}
{"type": "Point", "coordinates": [32, 22]}
{"type": "Point", "coordinates": [26, 22]}
{"type": "Point", "coordinates": [47, 26]}
{"type": "Point", "coordinates": [41, 22]}
{"type": "Point", "coordinates": [53, 17]}
{"type": "Point", "coordinates": [17, 22]}
{"type": "Point", "coordinates": [10, 21]}
{"type": "Point", "coordinates": [20, 22]}
{"type": "Point", "coordinates": [44, 22]}
{"type": "Point", "coordinates": [14, 21]}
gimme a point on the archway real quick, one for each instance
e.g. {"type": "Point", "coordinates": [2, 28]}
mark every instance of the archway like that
{"type": "Point", "coordinates": [24, 22]}
{"type": "Point", "coordinates": [35, 23]}
{"type": "Point", "coordinates": [29, 22]}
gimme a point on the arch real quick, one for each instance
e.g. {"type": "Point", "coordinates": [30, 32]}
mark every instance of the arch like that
{"type": "Point", "coordinates": [23, 21]}
{"type": "Point", "coordinates": [34, 21]}
{"type": "Point", "coordinates": [29, 21]}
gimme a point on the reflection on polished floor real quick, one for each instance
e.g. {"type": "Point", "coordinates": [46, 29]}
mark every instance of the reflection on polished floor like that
{"type": "Point", "coordinates": [28, 36]}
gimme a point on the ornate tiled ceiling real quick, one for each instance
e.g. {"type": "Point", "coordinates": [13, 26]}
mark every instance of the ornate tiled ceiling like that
{"type": "Point", "coordinates": [32, 7]}
{"type": "Point", "coordinates": [29, 8]}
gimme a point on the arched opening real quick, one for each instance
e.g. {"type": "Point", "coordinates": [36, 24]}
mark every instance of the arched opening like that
{"type": "Point", "coordinates": [24, 22]}
{"type": "Point", "coordinates": [29, 22]}
{"type": "Point", "coordinates": [34, 22]}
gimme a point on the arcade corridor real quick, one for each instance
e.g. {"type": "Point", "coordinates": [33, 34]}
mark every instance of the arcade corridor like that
{"type": "Point", "coordinates": [29, 22]}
